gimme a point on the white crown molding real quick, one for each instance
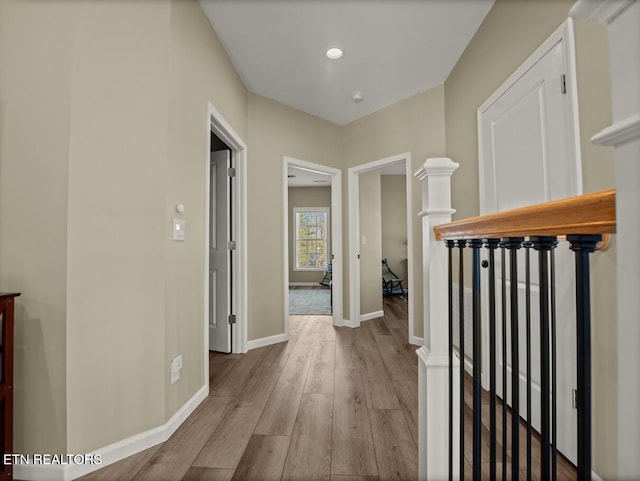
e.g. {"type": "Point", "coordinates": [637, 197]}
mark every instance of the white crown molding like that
{"type": "Point", "coordinates": [601, 11]}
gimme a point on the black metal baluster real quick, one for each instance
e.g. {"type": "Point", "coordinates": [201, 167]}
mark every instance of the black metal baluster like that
{"type": "Point", "coordinates": [461, 245]}
{"type": "Point", "coordinates": [492, 245]}
{"type": "Point", "coordinates": [475, 245]}
{"type": "Point", "coordinates": [450, 244]}
{"type": "Point", "coordinates": [554, 383]}
{"type": "Point", "coordinates": [583, 245]}
{"type": "Point", "coordinates": [503, 272]}
{"type": "Point", "coordinates": [527, 251]}
{"type": "Point", "coordinates": [543, 245]}
{"type": "Point", "coordinates": [513, 244]}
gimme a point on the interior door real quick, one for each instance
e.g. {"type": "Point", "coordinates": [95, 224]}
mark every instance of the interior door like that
{"type": "Point", "coordinates": [528, 157]}
{"type": "Point", "coordinates": [220, 272]}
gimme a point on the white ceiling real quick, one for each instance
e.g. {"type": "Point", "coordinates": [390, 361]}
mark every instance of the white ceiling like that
{"type": "Point", "coordinates": [307, 178]}
{"type": "Point", "coordinates": [393, 49]}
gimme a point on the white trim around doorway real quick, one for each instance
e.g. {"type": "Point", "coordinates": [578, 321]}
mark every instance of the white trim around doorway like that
{"type": "Point", "coordinates": [221, 128]}
{"type": "Point", "coordinates": [336, 234]}
{"type": "Point", "coordinates": [354, 237]}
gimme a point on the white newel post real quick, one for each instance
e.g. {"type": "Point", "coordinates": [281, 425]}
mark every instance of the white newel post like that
{"type": "Point", "coordinates": [622, 18]}
{"type": "Point", "coordinates": [433, 361]}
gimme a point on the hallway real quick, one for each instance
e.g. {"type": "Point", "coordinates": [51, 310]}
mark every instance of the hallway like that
{"type": "Point", "coordinates": [334, 404]}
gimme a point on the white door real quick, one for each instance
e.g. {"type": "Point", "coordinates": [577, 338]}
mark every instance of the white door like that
{"type": "Point", "coordinates": [528, 156]}
{"type": "Point", "coordinates": [219, 255]}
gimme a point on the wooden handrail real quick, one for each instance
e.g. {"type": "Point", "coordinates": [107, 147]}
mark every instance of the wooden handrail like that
{"type": "Point", "coordinates": [585, 214]}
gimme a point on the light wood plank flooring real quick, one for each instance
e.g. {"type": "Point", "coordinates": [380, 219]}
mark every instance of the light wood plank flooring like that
{"type": "Point", "coordinates": [566, 471]}
{"type": "Point", "coordinates": [334, 404]}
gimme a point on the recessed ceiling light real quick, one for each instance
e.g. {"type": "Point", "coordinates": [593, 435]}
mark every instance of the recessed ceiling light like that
{"type": "Point", "coordinates": [357, 97]}
{"type": "Point", "coordinates": [334, 53]}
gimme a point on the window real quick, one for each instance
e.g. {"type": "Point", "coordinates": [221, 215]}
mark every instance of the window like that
{"type": "Point", "coordinates": [311, 244]}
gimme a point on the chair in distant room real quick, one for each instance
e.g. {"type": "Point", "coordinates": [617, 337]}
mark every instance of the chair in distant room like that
{"type": "Point", "coordinates": [327, 281]}
{"type": "Point", "coordinates": [391, 283]}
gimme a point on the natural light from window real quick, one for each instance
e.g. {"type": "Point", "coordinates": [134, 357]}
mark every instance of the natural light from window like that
{"type": "Point", "coordinates": [311, 243]}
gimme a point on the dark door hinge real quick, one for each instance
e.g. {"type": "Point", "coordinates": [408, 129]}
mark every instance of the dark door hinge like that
{"type": "Point", "coordinates": [563, 84]}
{"type": "Point", "coordinates": [232, 319]}
{"type": "Point", "coordinates": [231, 172]}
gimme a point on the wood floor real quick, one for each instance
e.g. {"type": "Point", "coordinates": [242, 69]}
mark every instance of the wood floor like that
{"type": "Point", "coordinates": [334, 404]}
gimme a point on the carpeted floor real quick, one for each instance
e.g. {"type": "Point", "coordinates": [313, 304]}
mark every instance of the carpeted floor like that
{"type": "Point", "coordinates": [309, 301]}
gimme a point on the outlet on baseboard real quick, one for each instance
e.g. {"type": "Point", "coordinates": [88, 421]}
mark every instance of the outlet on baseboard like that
{"type": "Point", "coordinates": [176, 366]}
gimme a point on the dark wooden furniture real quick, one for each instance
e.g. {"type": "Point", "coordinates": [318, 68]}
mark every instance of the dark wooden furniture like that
{"type": "Point", "coordinates": [6, 381]}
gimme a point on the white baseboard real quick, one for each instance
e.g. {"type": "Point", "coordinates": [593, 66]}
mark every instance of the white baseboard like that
{"type": "Point", "coordinates": [113, 452]}
{"type": "Point", "coordinates": [266, 341]}
{"type": "Point", "coordinates": [371, 315]}
{"type": "Point", "coordinates": [305, 284]}
{"type": "Point", "coordinates": [415, 340]}
{"type": "Point", "coordinates": [349, 323]}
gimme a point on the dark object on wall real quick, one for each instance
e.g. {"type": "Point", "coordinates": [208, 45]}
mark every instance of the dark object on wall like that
{"type": "Point", "coordinates": [6, 382]}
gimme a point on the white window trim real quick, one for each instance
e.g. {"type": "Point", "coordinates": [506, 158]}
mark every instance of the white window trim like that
{"type": "Point", "coordinates": [327, 211]}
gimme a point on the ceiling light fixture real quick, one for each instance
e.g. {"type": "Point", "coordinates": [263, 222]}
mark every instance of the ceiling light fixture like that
{"type": "Point", "coordinates": [334, 53]}
{"type": "Point", "coordinates": [357, 97]}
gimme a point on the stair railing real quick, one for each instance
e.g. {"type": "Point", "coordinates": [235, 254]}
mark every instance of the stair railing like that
{"type": "Point", "coordinates": [585, 222]}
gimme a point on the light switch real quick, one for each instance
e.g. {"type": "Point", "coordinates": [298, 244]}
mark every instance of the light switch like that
{"type": "Point", "coordinates": [178, 229]}
{"type": "Point", "coordinates": [364, 240]}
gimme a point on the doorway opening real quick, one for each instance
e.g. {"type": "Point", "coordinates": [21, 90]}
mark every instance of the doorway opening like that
{"type": "Point", "coordinates": [313, 240]}
{"type": "Point", "coordinates": [225, 279]}
{"type": "Point", "coordinates": [358, 243]}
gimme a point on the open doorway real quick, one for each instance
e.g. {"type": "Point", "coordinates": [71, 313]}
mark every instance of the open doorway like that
{"type": "Point", "coordinates": [221, 246]}
{"type": "Point", "coordinates": [313, 243]}
{"type": "Point", "coordinates": [363, 238]}
{"type": "Point", "coordinates": [225, 234]}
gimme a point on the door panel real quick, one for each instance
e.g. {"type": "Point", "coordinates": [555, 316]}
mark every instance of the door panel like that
{"type": "Point", "coordinates": [219, 258]}
{"type": "Point", "coordinates": [528, 158]}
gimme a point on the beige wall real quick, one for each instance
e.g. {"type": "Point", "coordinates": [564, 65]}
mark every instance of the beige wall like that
{"type": "Point", "coordinates": [276, 131]}
{"type": "Point", "coordinates": [199, 72]}
{"type": "Point", "coordinates": [305, 197]}
{"type": "Point", "coordinates": [509, 34]}
{"type": "Point", "coordinates": [117, 175]}
{"type": "Point", "coordinates": [102, 135]}
{"type": "Point", "coordinates": [413, 125]}
{"type": "Point", "coordinates": [371, 248]}
{"type": "Point", "coordinates": [35, 93]}
{"type": "Point", "coordinates": [394, 223]}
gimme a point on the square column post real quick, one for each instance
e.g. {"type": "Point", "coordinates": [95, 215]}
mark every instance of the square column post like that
{"type": "Point", "coordinates": [433, 362]}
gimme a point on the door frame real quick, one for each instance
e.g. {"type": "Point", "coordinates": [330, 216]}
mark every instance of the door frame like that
{"type": "Point", "coordinates": [354, 238]}
{"type": "Point", "coordinates": [336, 235]}
{"type": "Point", "coordinates": [564, 33]}
{"type": "Point", "coordinates": [220, 127]}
